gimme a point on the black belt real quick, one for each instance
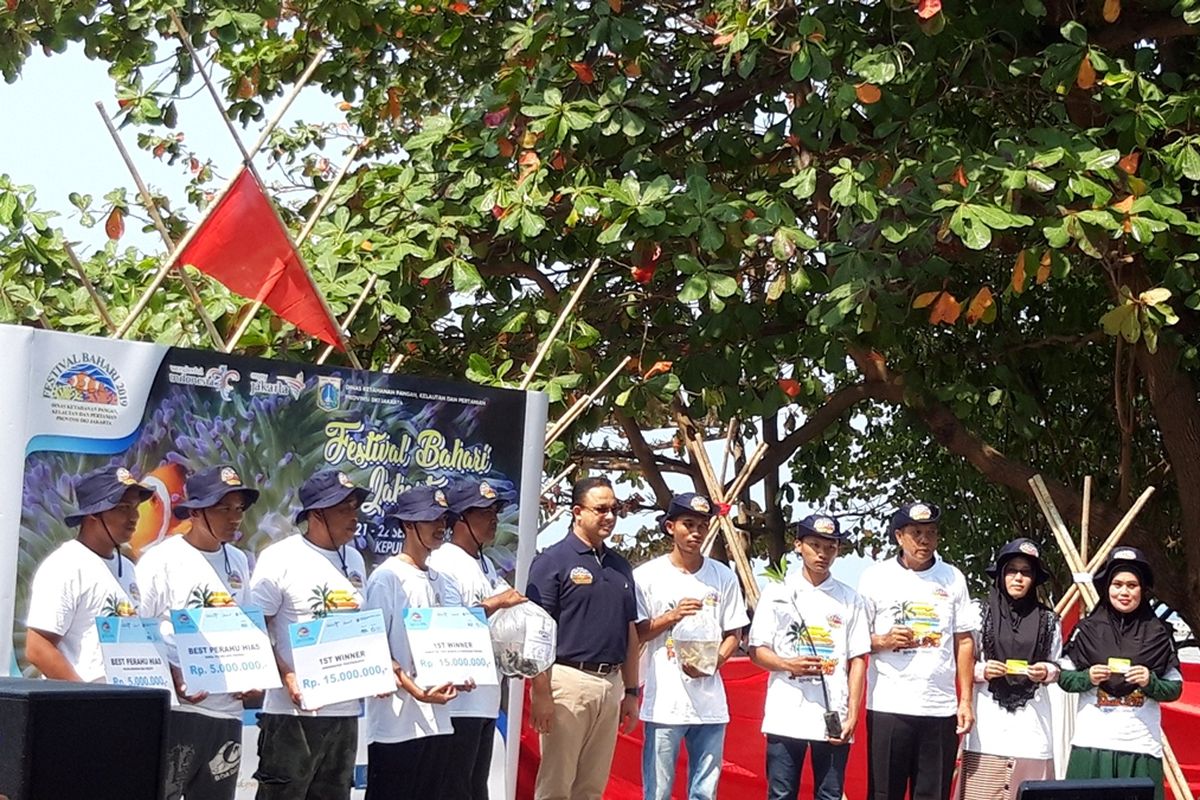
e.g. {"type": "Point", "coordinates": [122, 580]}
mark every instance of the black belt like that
{"type": "Point", "coordinates": [592, 667]}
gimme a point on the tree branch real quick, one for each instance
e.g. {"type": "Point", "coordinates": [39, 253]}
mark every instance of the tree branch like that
{"type": "Point", "coordinates": [645, 457]}
{"type": "Point", "coordinates": [1143, 29]}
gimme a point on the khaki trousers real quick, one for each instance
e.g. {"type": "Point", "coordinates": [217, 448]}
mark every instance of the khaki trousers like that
{"type": "Point", "coordinates": [577, 753]}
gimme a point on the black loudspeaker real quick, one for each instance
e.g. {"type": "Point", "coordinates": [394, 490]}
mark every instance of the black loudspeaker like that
{"type": "Point", "coordinates": [81, 741]}
{"type": "Point", "coordinates": [1091, 789]}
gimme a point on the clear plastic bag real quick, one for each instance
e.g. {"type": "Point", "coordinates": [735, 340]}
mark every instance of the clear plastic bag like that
{"type": "Point", "coordinates": [524, 638]}
{"type": "Point", "coordinates": [698, 640]}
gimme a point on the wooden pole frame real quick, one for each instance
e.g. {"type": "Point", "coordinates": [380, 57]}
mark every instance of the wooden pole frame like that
{"type": "Point", "coordinates": [156, 218]}
{"type": "Point", "coordinates": [169, 262]}
{"type": "Point", "coordinates": [531, 372]}
{"type": "Point", "coordinates": [97, 300]}
{"type": "Point", "coordinates": [574, 412]}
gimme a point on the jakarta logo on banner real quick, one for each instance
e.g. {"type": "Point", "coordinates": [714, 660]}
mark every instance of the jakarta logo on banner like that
{"type": "Point", "coordinates": [164, 412]}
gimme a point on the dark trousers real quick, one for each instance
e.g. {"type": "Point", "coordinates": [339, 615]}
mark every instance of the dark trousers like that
{"type": "Point", "coordinates": [909, 753]}
{"type": "Point", "coordinates": [470, 754]}
{"type": "Point", "coordinates": [785, 757]}
{"type": "Point", "coordinates": [305, 758]}
{"type": "Point", "coordinates": [412, 770]}
{"type": "Point", "coordinates": [203, 756]}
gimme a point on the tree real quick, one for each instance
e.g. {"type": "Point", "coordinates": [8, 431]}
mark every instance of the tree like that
{"type": "Point", "coordinates": [918, 249]}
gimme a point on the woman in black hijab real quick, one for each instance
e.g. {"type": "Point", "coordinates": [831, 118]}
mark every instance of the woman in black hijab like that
{"type": "Point", "coordinates": [1121, 659]}
{"type": "Point", "coordinates": [1020, 641]}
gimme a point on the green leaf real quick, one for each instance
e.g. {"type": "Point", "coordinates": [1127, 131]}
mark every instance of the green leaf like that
{"type": "Point", "coordinates": [466, 278]}
{"type": "Point", "coordinates": [612, 233]}
{"type": "Point", "coordinates": [1189, 163]}
{"type": "Point", "coordinates": [695, 287]}
{"type": "Point", "coordinates": [801, 65]}
{"type": "Point", "coordinates": [722, 285]}
{"type": "Point", "coordinates": [1074, 33]}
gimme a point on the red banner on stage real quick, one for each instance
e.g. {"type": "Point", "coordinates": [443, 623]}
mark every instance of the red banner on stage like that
{"type": "Point", "coordinates": [743, 775]}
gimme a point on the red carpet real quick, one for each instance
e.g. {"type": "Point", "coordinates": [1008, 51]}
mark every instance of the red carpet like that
{"type": "Point", "coordinates": [742, 777]}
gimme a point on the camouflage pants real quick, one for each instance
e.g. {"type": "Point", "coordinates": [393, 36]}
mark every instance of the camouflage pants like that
{"type": "Point", "coordinates": [305, 758]}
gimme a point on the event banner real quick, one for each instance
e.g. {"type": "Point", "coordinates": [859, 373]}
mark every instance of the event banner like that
{"type": "Point", "coordinates": [79, 402]}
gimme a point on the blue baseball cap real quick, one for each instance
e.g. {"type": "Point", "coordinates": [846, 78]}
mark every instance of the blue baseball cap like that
{"type": "Point", "coordinates": [209, 486]}
{"type": "Point", "coordinates": [325, 489]}
{"type": "Point", "coordinates": [102, 489]}
{"type": "Point", "coordinates": [918, 513]}
{"type": "Point", "coordinates": [468, 493]}
{"type": "Point", "coordinates": [822, 525]}
{"type": "Point", "coordinates": [1019, 547]}
{"type": "Point", "coordinates": [687, 503]}
{"type": "Point", "coordinates": [420, 504]}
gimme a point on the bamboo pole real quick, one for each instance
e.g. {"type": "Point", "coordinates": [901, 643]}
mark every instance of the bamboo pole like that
{"type": "Point", "coordinates": [558, 323]}
{"type": "Point", "coordinates": [695, 444]}
{"type": "Point", "coordinates": [351, 314]}
{"type": "Point", "coordinates": [582, 405]}
{"type": "Point", "coordinates": [156, 218]}
{"type": "Point", "coordinates": [309, 224]}
{"type": "Point", "coordinates": [1085, 521]}
{"type": "Point", "coordinates": [725, 451]}
{"type": "Point", "coordinates": [249, 163]}
{"type": "Point", "coordinates": [1174, 772]}
{"type": "Point", "coordinates": [736, 488]}
{"type": "Point", "coordinates": [1080, 572]}
{"type": "Point", "coordinates": [97, 300]}
{"type": "Point", "coordinates": [1072, 594]}
{"type": "Point", "coordinates": [395, 365]}
{"type": "Point", "coordinates": [167, 264]}
{"type": "Point", "coordinates": [550, 484]}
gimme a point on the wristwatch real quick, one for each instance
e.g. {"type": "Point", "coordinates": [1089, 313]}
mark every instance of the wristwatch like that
{"type": "Point", "coordinates": [631, 691]}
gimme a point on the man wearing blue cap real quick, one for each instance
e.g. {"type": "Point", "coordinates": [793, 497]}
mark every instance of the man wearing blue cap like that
{"type": "Point", "coordinates": [810, 632]}
{"type": "Point", "coordinates": [408, 730]}
{"type": "Point", "coordinates": [200, 569]}
{"type": "Point", "coordinates": [922, 669]}
{"type": "Point", "coordinates": [85, 578]}
{"type": "Point", "coordinates": [475, 506]}
{"type": "Point", "coordinates": [309, 755]}
{"type": "Point", "coordinates": [683, 701]}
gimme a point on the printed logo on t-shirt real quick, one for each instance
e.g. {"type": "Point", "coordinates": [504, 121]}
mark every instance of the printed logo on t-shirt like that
{"type": "Point", "coordinates": [923, 619]}
{"type": "Point", "coordinates": [938, 591]}
{"type": "Point", "coordinates": [356, 580]}
{"type": "Point", "coordinates": [711, 599]}
{"type": "Point", "coordinates": [580, 576]}
{"type": "Point", "coordinates": [202, 596]}
{"type": "Point", "coordinates": [135, 594]}
{"type": "Point", "coordinates": [1134, 699]}
{"type": "Point", "coordinates": [115, 606]}
{"type": "Point", "coordinates": [324, 600]}
{"type": "Point", "coordinates": [808, 640]}
{"type": "Point", "coordinates": [835, 621]}
{"type": "Point", "coordinates": [235, 581]}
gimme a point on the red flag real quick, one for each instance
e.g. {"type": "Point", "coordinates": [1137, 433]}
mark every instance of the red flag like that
{"type": "Point", "coordinates": [243, 245]}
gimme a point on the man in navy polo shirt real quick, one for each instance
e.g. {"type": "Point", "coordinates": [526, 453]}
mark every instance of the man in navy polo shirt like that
{"type": "Point", "coordinates": [578, 703]}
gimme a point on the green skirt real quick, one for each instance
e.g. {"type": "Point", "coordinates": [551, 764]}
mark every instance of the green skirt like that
{"type": "Point", "coordinates": [1091, 762]}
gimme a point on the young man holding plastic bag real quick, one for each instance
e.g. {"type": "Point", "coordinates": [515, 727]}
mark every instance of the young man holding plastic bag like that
{"type": "Point", "coordinates": [692, 613]}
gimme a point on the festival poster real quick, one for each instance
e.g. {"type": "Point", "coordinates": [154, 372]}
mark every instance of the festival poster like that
{"type": "Point", "coordinates": [83, 402]}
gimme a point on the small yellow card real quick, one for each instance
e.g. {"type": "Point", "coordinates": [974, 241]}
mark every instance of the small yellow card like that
{"type": "Point", "coordinates": [1015, 666]}
{"type": "Point", "coordinates": [1119, 665]}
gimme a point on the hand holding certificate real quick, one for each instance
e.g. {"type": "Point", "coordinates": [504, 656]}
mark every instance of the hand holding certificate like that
{"type": "Point", "coordinates": [134, 654]}
{"type": "Point", "coordinates": [224, 650]}
{"type": "Point", "coordinates": [340, 657]}
{"type": "Point", "coordinates": [450, 645]}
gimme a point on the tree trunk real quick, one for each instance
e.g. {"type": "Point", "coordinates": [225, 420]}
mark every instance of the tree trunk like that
{"type": "Point", "coordinates": [772, 513]}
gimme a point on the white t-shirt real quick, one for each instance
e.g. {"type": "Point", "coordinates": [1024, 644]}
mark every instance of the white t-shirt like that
{"type": "Point", "coordinates": [473, 580]}
{"type": "Point", "coordinates": [296, 581]}
{"type": "Point", "coordinates": [920, 680]}
{"type": "Point", "coordinates": [1023, 733]}
{"type": "Point", "coordinates": [173, 574]}
{"type": "Point", "coordinates": [70, 589]}
{"type": "Point", "coordinates": [1129, 724]}
{"type": "Point", "coordinates": [394, 586]}
{"type": "Point", "coordinates": [836, 624]}
{"type": "Point", "coordinates": [671, 697]}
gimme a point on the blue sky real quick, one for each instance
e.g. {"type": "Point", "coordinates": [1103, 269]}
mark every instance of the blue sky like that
{"type": "Point", "coordinates": [55, 140]}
